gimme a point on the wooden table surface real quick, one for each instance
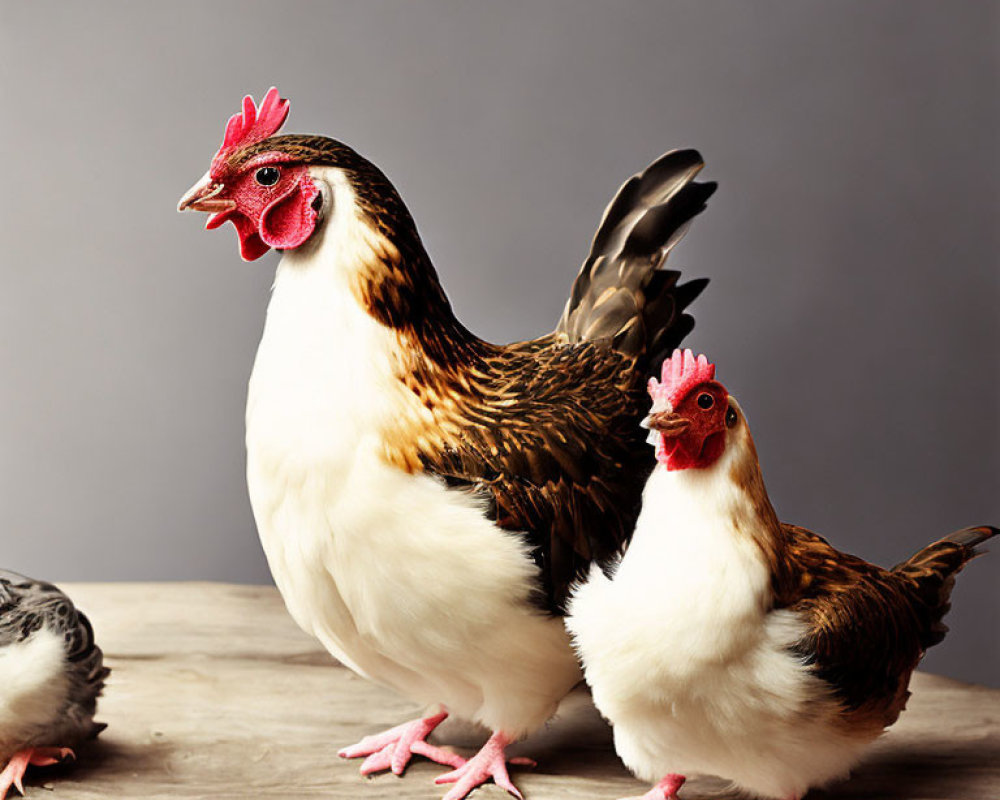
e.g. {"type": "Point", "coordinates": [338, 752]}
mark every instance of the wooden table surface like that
{"type": "Point", "coordinates": [216, 693]}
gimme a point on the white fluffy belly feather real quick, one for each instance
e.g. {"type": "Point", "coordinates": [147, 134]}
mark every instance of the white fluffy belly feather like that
{"type": "Point", "coordinates": [402, 579]}
{"type": "Point", "coordinates": [408, 584]}
{"type": "Point", "coordinates": [33, 690]}
{"type": "Point", "coordinates": [690, 665]}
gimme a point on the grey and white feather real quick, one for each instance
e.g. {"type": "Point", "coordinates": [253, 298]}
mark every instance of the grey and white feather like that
{"type": "Point", "coordinates": [51, 669]}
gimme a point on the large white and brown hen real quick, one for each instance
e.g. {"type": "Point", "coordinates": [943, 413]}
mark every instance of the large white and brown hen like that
{"type": "Point", "coordinates": [425, 498]}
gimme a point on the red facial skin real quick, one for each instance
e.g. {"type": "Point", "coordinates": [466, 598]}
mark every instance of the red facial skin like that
{"type": "Point", "coordinates": [280, 215]}
{"type": "Point", "coordinates": [704, 441]}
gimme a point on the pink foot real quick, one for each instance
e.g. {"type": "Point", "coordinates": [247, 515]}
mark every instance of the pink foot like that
{"type": "Point", "coordinates": [394, 748]}
{"type": "Point", "coordinates": [34, 756]}
{"type": "Point", "coordinates": [489, 762]}
{"type": "Point", "coordinates": [664, 790]}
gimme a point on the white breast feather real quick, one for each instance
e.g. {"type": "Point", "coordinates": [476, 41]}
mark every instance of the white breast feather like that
{"type": "Point", "coordinates": [403, 580]}
{"type": "Point", "coordinates": [688, 662]}
{"type": "Point", "coordinates": [33, 690]}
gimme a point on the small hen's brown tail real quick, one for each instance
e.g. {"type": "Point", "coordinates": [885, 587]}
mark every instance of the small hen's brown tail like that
{"type": "Point", "coordinates": [931, 573]}
{"type": "Point", "coordinates": [623, 295]}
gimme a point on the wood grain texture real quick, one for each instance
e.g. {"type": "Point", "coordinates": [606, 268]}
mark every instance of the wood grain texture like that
{"type": "Point", "coordinates": [215, 693]}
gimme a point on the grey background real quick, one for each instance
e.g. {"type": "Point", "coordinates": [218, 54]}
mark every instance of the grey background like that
{"type": "Point", "coordinates": [852, 245]}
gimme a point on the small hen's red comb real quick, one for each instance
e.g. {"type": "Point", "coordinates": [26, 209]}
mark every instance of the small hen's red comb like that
{"type": "Point", "coordinates": [254, 123]}
{"type": "Point", "coordinates": [680, 374]}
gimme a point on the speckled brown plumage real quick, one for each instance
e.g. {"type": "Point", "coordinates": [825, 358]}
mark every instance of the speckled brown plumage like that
{"type": "Point", "coordinates": [869, 626]}
{"type": "Point", "coordinates": [553, 460]}
{"type": "Point", "coordinates": [545, 431]}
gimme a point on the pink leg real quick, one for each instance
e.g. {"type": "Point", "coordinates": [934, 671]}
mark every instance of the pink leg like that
{"type": "Point", "coordinates": [489, 762]}
{"type": "Point", "coordinates": [34, 756]}
{"type": "Point", "coordinates": [394, 748]}
{"type": "Point", "coordinates": [665, 789]}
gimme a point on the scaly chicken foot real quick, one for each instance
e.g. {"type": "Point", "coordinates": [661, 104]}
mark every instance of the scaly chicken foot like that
{"type": "Point", "coordinates": [394, 748]}
{"type": "Point", "coordinates": [489, 762]}
{"type": "Point", "coordinates": [664, 790]}
{"type": "Point", "coordinates": [13, 773]}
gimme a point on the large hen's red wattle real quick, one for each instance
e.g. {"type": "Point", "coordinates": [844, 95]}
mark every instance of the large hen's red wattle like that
{"type": "Point", "coordinates": [280, 215]}
{"type": "Point", "coordinates": [290, 219]}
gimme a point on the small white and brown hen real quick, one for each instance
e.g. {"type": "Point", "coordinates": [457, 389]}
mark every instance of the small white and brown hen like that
{"type": "Point", "coordinates": [726, 642]}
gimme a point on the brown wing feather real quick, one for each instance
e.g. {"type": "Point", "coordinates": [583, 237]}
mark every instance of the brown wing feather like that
{"type": "Point", "coordinates": [864, 637]}
{"type": "Point", "coordinates": [550, 431]}
{"type": "Point", "coordinates": [868, 626]}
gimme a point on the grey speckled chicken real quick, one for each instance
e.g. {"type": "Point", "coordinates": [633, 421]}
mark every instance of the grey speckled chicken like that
{"type": "Point", "coordinates": [51, 674]}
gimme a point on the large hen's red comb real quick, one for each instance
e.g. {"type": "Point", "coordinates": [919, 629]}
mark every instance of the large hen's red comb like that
{"type": "Point", "coordinates": [253, 124]}
{"type": "Point", "coordinates": [680, 374]}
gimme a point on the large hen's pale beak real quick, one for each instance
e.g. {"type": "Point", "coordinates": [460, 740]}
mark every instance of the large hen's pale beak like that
{"type": "Point", "coordinates": [204, 196]}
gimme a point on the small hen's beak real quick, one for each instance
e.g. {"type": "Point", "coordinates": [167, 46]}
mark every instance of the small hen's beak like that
{"type": "Point", "coordinates": [667, 423]}
{"type": "Point", "coordinates": [204, 196]}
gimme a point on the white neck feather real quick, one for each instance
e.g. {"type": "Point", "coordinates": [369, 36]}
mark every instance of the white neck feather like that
{"type": "Point", "coordinates": [693, 546]}
{"type": "Point", "coordinates": [323, 374]}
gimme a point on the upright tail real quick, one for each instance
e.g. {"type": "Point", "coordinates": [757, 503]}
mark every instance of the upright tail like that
{"type": "Point", "coordinates": [623, 294]}
{"type": "Point", "coordinates": [931, 574]}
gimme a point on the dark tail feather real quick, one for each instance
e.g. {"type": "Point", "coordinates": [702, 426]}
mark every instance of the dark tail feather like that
{"type": "Point", "coordinates": [931, 573]}
{"type": "Point", "coordinates": [622, 294]}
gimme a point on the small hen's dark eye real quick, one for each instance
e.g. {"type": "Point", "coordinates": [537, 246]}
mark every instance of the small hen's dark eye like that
{"type": "Point", "coordinates": [267, 176]}
{"type": "Point", "coordinates": [730, 417]}
{"type": "Point", "coordinates": [705, 401]}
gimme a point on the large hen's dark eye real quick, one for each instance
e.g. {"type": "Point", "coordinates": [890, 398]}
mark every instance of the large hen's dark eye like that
{"type": "Point", "coordinates": [267, 176]}
{"type": "Point", "coordinates": [705, 401]}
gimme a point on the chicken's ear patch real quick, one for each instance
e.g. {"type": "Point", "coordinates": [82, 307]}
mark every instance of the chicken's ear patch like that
{"type": "Point", "coordinates": [291, 219]}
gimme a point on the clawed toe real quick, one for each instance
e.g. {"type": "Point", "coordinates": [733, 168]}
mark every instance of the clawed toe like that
{"type": "Point", "coordinates": [489, 762]}
{"type": "Point", "coordinates": [13, 773]}
{"type": "Point", "coordinates": [393, 749]}
{"type": "Point", "coordinates": [664, 790]}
